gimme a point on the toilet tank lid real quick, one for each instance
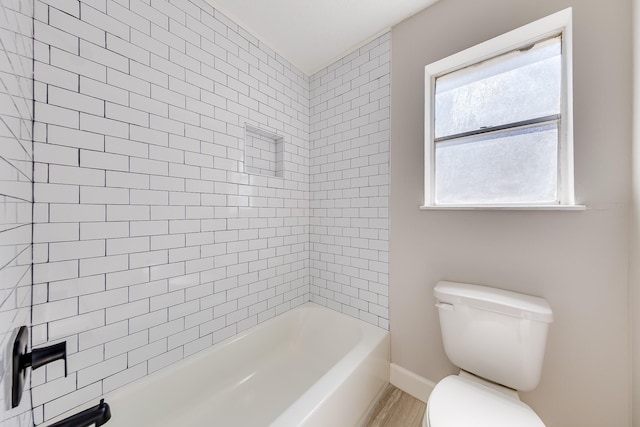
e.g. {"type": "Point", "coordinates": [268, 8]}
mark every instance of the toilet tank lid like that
{"type": "Point", "coordinates": [492, 299]}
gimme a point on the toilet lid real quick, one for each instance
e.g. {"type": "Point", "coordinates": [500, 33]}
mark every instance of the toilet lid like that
{"type": "Point", "coordinates": [461, 402]}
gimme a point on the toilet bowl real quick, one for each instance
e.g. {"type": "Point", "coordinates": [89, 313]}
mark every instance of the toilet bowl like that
{"type": "Point", "coordinates": [497, 338]}
{"type": "Point", "coordinates": [465, 400]}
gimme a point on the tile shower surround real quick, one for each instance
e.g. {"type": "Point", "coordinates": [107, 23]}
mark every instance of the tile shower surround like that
{"type": "Point", "coordinates": [150, 242]}
{"type": "Point", "coordinates": [16, 117]}
{"type": "Point", "coordinates": [350, 102]}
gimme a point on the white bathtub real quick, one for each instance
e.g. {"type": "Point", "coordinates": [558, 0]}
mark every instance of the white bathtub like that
{"type": "Point", "coordinates": [308, 367]}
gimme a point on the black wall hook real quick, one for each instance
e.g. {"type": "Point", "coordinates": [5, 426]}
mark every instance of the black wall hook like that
{"type": "Point", "coordinates": [37, 358]}
{"type": "Point", "coordinates": [41, 356]}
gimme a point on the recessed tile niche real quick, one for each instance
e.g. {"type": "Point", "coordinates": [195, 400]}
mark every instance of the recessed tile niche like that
{"type": "Point", "coordinates": [262, 152]}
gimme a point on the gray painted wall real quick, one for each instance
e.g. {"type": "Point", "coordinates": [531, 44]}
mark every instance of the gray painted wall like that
{"type": "Point", "coordinates": [634, 255]}
{"type": "Point", "coordinates": [578, 261]}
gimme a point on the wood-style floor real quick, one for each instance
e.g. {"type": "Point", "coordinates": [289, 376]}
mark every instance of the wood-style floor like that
{"type": "Point", "coordinates": [396, 409]}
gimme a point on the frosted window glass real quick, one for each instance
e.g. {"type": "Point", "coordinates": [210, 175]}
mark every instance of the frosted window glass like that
{"type": "Point", "coordinates": [519, 85]}
{"type": "Point", "coordinates": [517, 166]}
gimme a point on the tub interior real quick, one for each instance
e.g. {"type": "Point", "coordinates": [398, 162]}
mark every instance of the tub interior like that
{"type": "Point", "coordinates": [251, 385]}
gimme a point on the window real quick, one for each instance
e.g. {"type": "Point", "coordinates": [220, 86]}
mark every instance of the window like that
{"type": "Point", "coordinates": [498, 121]}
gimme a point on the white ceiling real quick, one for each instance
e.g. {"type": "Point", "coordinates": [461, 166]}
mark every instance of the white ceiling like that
{"type": "Point", "coordinates": [312, 34]}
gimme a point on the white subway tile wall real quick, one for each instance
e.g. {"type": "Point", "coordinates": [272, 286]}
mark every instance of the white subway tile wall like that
{"type": "Point", "coordinates": [16, 194]}
{"type": "Point", "coordinates": [350, 183]}
{"type": "Point", "coordinates": [150, 241]}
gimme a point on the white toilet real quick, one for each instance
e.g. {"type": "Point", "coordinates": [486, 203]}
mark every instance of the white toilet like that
{"type": "Point", "coordinates": [497, 338]}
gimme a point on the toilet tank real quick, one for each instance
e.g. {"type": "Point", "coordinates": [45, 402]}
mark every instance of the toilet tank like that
{"type": "Point", "coordinates": [495, 334]}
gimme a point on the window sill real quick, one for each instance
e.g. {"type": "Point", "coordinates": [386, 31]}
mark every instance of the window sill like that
{"type": "Point", "coordinates": [504, 208]}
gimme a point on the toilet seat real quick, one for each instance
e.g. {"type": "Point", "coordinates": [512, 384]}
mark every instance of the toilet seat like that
{"type": "Point", "coordinates": [461, 401]}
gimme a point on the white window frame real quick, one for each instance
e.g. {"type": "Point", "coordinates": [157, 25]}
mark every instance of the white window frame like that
{"type": "Point", "coordinates": [558, 23]}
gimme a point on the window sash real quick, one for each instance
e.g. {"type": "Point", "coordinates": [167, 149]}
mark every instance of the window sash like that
{"type": "Point", "coordinates": [489, 92]}
{"type": "Point", "coordinates": [554, 118]}
{"type": "Point", "coordinates": [507, 178]}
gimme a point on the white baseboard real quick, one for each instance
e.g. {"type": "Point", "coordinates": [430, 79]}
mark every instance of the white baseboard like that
{"type": "Point", "coordinates": [410, 382]}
